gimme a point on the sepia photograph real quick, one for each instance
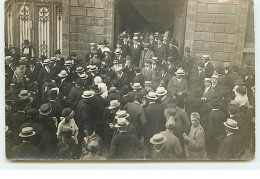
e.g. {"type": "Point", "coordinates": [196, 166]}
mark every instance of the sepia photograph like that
{"type": "Point", "coordinates": [129, 80]}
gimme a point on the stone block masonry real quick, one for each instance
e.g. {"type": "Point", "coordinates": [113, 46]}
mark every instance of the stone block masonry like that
{"type": "Point", "coordinates": [218, 26]}
{"type": "Point", "coordinates": [87, 21]}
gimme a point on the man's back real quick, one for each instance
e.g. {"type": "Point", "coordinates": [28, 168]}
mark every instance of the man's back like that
{"type": "Point", "coordinates": [124, 146]}
{"type": "Point", "coordinates": [173, 146]}
{"type": "Point", "coordinates": [25, 151]}
{"type": "Point", "coordinates": [231, 147]}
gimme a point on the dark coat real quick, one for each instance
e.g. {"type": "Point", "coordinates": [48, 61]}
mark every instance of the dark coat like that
{"type": "Point", "coordinates": [125, 49]}
{"type": "Point", "coordinates": [56, 109]}
{"type": "Point", "coordinates": [25, 151]}
{"type": "Point", "coordinates": [165, 77]}
{"type": "Point", "coordinates": [155, 119]}
{"type": "Point", "coordinates": [135, 54]}
{"type": "Point", "coordinates": [114, 96]}
{"type": "Point", "coordinates": [14, 124]}
{"type": "Point", "coordinates": [139, 79]}
{"type": "Point", "coordinates": [209, 70]}
{"type": "Point", "coordinates": [125, 146]}
{"type": "Point", "coordinates": [89, 55]}
{"type": "Point", "coordinates": [173, 52]}
{"type": "Point", "coordinates": [231, 147]}
{"type": "Point", "coordinates": [145, 56]}
{"type": "Point", "coordinates": [149, 74]}
{"type": "Point", "coordinates": [214, 131]}
{"type": "Point", "coordinates": [193, 104]}
{"type": "Point", "coordinates": [161, 52]}
{"type": "Point", "coordinates": [97, 107]}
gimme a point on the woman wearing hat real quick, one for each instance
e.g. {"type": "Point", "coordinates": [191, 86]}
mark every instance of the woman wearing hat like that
{"type": "Point", "coordinates": [195, 139]}
{"type": "Point", "coordinates": [68, 123]}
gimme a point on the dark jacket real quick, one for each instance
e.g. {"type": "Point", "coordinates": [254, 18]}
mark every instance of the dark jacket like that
{"type": "Point", "coordinates": [25, 151]}
{"type": "Point", "coordinates": [125, 146]}
{"type": "Point", "coordinates": [231, 147]}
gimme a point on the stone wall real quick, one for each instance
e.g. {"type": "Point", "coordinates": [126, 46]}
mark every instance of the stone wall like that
{"type": "Point", "coordinates": [86, 21]}
{"type": "Point", "coordinates": [217, 28]}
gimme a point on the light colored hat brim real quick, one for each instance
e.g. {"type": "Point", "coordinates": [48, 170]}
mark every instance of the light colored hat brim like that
{"type": "Point", "coordinates": [93, 69]}
{"type": "Point", "coordinates": [45, 113]}
{"type": "Point", "coordinates": [126, 124]}
{"type": "Point", "coordinates": [161, 142]}
{"type": "Point", "coordinates": [60, 75]}
{"type": "Point", "coordinates": [21, 135]}
{"type": "Point", "coordinates": [148, 97]}
{"type": "Point", "coordinates": [161, 94]}
{"type": "Point", "coordinates": [179, 73]}
{"type": "Point", "coordinates": [86, 97]}
{"type": "Point", "coordinates": [112, 107]}
{"type": "Point", "coordinates": [228, 126]}
{"type": "Point", "coordinates": [127, 115]}
{"type": "Point", "coordinates": [23, 97]}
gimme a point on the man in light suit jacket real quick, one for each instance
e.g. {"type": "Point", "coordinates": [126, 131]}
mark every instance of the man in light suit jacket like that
{"type": "Point", "coordinates": [178, 87]}
{"type": "Point", "coordinates": [146, 54]}
{"type": "Point", "coordinates": [147, 71]}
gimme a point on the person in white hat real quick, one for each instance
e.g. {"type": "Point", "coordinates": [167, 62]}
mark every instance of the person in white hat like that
{"type": "Point", "coordinates": [232, 146]}
{"type": "Point", "coordinates": [214, 80]}
{"type": "Point", "coordinates": [178, 87]}
{"type": "Point", "coordinates": [155, 118]}
{"type": "Point", "coordinates": [124, 145]}
{"type": "Point", "coordinates": [208, 67]}
{"type": "Point", "coordinates": [135, 51]}
{"type": "Point", "coordinates": [26, 150]}
{"type": "Point", "coordinates": [159, 148]}
{"type": "Point", "coordinates": [208, 92]}
{"type": "Point", "coordinates": [163, 98]}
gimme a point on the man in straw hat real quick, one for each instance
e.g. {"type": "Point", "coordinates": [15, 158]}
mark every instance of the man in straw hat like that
{"type": "Point", "coordinates": [178, 86]}
{"type": "Point", "coordinates": [159, 148]}
{"type": "Point", "coordinates": [163, 96]}
{"type": "Point", "coordinates": [208, 67]}
{"type": "Point", "coordinates": [135, 51]}
{"type": "Point", "coordinates": [26, 150]}
{"type": "Point", "coordinates": [124, 146]}
{"type": "Point", "coordinates": [109, 118]}
{"type": "Point", "coordinates": [173, 146]}
{"type": "Point", "coordinates": [155, 118]}
{"type": "Point", "coordinates": [232, 146]}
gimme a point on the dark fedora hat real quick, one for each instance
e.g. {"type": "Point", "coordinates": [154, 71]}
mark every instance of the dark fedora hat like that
{"type": "Point", "coordinates": [45, 109]}
{"type": "Point", "coordinates": [57, 52]}
{"type": "Point", "coordinates": [67, 113]}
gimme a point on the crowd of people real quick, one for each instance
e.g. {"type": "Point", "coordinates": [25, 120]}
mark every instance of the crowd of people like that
{"type": "Point", "coordinates": [142, 100]}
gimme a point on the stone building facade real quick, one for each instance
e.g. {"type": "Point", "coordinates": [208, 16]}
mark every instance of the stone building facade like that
{"type": "Point", "coordinates": [221, 28]}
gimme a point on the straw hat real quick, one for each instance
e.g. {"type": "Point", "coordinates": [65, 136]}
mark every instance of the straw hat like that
{"type": "Point", "coordinates": [87, 94]}
{"type": "Point", "coordinates": [63, 74]}
{"type": "Point", "coordinates": [114, 104]}
{"type": "Point", "coordinates": [121, 122]}
{"type": "Point", "coordinates": [79, 70]}
{"type": "Point", "coordinates": [27, 132]}
{"type": "Point", "coordinates": [180, 72]}
{"type": "Point", "coordinates": [158, 139]}
{"type": "Point", "coordinates": [137, 86]}
{"type": "Point", "coordinates": [93, 68]}
{"type": "Point", "coordinates": [230, 123]}
{"type": "Point", "coordinates": [151, 96]}
{"type": "Point", "coordinates": [121, 114]}
{"type": "Point", "coordinates": [161, 91]}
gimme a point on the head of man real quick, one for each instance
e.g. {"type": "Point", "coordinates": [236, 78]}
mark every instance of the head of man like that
{"type": "Point", "coordinates": [207, 82]}
{"type": "Point", "coordinates": [195, 119]}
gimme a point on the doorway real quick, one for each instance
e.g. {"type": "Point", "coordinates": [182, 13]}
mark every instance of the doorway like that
{"type": "Point", "coordinates": [147, 16]}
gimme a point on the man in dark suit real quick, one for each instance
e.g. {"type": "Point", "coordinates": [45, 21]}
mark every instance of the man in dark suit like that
{"type": "Point", "coordinates": [155, 66]}
{"type": "Point", "coordinates": [59, 59]}
{"type": "Point", "coordinates": [214, 129]}
{"type": "Point", "coordinates": [64, 85]}
{"type": "Point", "coordinates": [90, 54]}
{"type": "Point", "coordinates": [232, 146]}
{"type": "Point", "coordinates": [160, 51]}
{"type": "Point", "coordinates": [26, 150]}
{"type": "Point", "coordinates": [208, 92]}
{"type": "Point", "coordinates": [124, 145]}
{"type": "Point", "coordinates": [125, 45]}
{"type": "Point", "coordinates": [172, 50]}
{"type": "Point", "coordinates": [46, 72]}
{"type": "Point", "coordinates": [119, 56]}
{"type": "Point", "coordinates": [187, 62]}
{"type": "Point", "coordinates": [139, 78]}
{"type": "Point", "coordinates": [135, 51]}
{"type": "Point", "coordinates": [147, 71]}
{"type": "Point", "coordinates": [136, 115]}
{"type": "Point", "coordinates": [129, 67]}
{"type": "Point", "coordinates": [32, 72]}
{"type": "Point", "coordinates": [155, 118]}
{"type": "Point", "coordinates": [208, 67]}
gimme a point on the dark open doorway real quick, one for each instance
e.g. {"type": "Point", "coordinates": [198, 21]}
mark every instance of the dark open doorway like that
{"type": "Point", "coordinates": [151, 16]}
